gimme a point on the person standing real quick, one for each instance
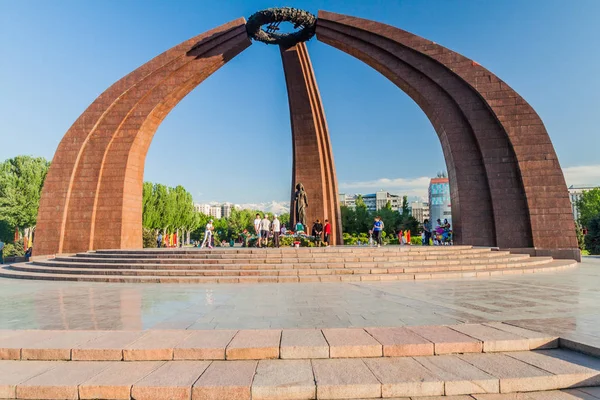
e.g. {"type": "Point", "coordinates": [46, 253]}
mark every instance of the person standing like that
{"type": "Point", "coordinates": [208, 230]}
{"type": "Point", "coordinates": [159, 240]}
{"type": "Point", "coordinates": [276, 227]}
{"type": "Point", "coordinates": [1, 252]}
{"type": "Point", "coordinates": [427, 231]}
{"type": "Point", "coordinates": [327, 230]}
{"type": "Point", "coordinates": [377, 229]}
{"type": "Point", "coordinates": [265, 227]}
{"type": "Point", "coordinates": [317, 232]}
{"type": "Point", "coordinates": [257, 229]}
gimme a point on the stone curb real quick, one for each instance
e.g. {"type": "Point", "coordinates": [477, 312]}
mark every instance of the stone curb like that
{"type": "Point", "coordinates": [167, 345]}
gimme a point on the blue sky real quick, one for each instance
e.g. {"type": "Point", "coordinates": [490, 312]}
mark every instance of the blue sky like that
{"type": "Point", "coordinates": [229, 140]}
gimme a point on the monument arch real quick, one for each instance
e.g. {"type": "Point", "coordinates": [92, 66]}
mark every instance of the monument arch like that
{"type": "Point", "coordinates": [507, 186]}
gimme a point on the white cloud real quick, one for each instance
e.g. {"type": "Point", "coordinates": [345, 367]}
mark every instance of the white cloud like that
{"type": "Point", "coordinates": [410, 187]}
{"type": "Point", "coordinates": [582, 175]}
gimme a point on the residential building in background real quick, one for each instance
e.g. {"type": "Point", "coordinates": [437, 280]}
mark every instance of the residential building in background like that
{"type": "Point", "coordinates": [575, 193]}
{"type": "Point", "coordinates": [207, 209]}
{"type": "Point", "coordinates": [439, 200]}
{"type": "Point", "coordinates": [378, 200]}
{"type": "Point", "coordinates": [348, 200]}
{"type": "Point", "coordinates": [226, 210]}
{"type": "Point", "coordinates": [215, 212]}
{"type": "Point", "coordinates": [419, 210]}
{"type": "Point", "coordinates": [202, 208]}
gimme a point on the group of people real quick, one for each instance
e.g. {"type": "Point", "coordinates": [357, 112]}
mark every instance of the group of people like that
{"type": "Point", "coordinates": [266, 230]}
{"type": "Point", "coordinates": [440, 235]}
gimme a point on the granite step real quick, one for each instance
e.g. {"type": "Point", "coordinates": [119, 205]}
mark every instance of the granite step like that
{"type": "Point", "coordinates": [244, 270]}
{"type": "Point", "coordinates": [129, 264]}
{"type": "Point", "coordinates": [281, 260]}
{"type": "Point", "coordinates": [302, 250]}
{"type": "Point", "coordinates": [198, 345]}
{"type": "Point", "coordinates": [12, 272]}
{"type": "Point", "coordinates": [344, 378]}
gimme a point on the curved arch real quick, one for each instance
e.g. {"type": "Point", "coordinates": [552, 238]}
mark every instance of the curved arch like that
{"type": "Point", "coordinates": [89, 198]}
{"type": "Point", "coordinates": [495, 145]}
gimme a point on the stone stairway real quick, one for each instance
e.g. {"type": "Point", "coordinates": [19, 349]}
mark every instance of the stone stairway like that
{"type": "Point", "coordinates": [492, 361]}
{"type": "Point", "coordinates": [238, 265]}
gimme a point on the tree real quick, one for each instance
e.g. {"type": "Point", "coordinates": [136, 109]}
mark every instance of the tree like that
{"type": "Point", "coordinates": [592, 239]}
{"type": "Point", "coordinates": [21, 181]}
{"type": "Point", "coordinates": [589, 206]}
{"type": "Point", "coordinates": [405, 211]}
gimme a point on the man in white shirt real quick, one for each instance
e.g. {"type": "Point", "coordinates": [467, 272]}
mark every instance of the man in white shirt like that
{"type": "Point", "coordinates": [257, 229]}
{"type": "Point", "coordinates": [265, 227]}
{"type": "Point", "coordinates": [208, 234]}
{"type": "Point", "coordinates": [275, 227]}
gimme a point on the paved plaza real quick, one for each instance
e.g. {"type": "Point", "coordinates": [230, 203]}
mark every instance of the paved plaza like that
{"type": "Point", "coordinates": [565, 302]}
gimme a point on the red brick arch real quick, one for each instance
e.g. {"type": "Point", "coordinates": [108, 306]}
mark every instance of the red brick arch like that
{"type": "Point", "coordinates": [508, 189]}
{"type": "Point", "coordinates": [507, 186]}
{"type": "Point", "coordinates": [93, 191]}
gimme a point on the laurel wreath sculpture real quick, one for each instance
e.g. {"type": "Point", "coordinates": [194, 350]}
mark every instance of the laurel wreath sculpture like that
{"type": "Point", "coordinates": [273, 17]}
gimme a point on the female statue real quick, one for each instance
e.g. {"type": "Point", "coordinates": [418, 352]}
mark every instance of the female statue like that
{"type": "Point", "coordinates": [301, 201]}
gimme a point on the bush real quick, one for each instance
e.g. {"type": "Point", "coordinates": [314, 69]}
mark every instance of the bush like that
{"type": "Point", "coordinates": [592, 239]}
{"type": "Point", "coordinates": [14, 250]}
{"type": "Point", "coordinates": [149, 238]}
{"type": "Point", "coordinates": [416, 240]}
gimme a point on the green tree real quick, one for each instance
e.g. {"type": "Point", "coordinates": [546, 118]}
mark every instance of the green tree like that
{"type": "Point", "coordinates": [592, 239]}
{"type": "Point", "coordinates": [589, 206]}
{"type": "Point", "coordinates": [21, 182]}
{"type": "Point", "coordinates": [405, 211]}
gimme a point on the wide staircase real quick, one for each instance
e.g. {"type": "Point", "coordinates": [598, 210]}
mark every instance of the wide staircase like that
{"type": "Point", "coordinates": [493, 361]}
{"type": "Point", "coordinates": [252, 265]}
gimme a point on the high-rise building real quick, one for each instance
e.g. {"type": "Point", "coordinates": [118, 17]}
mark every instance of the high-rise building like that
{"type": "Point", "coordinates": [439, 200]}
{"type": "Point", "coordinates": [202, 208]}
{"type": "Point", "coordinates": [348, 200]}
{"type": "Point", "coordinates": [419, 210]}
{"type": "Point", "coordinates": [215, 212]}
{"type": "Point", "coordinates": [207, 209]}
{"type": "Point", "coordinates": [378, 200]}
{"type": "Point", "coordinates": [575, 193]}
{"type": "Point", "coordinates": [226, 210]}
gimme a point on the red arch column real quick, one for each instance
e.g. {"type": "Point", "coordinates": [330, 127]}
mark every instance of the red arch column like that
{"type": "Point", "coordinates": [313, 159]}
{"type": "Point", "coordinates": [90, 198]}
{"type": "Point", "coordinates": [483, 122]}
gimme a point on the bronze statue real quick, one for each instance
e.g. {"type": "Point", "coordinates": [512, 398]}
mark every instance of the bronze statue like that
{"type": "Point", "coordinates": [301, 201]}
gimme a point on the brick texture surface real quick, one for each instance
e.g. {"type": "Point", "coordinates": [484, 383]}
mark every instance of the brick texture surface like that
{"type": "Point", "coordinates": [313, 158]}
{"type": "Point", "coordinates": [94, 186]}
{"type": "Point", "coordinates": [507, 187]}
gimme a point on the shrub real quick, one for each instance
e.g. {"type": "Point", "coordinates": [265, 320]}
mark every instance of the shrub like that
{"type": "Point", "coordinates": [14, 250]}
{"type": "Point", "coordinates": [416, 240]}
{"type": "Point", "coordinates": [149, 238]}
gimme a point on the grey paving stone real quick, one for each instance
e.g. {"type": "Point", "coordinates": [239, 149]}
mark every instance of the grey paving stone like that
{"type": "Point", "coordinates": [404, 376]}
{"type": "Point", "coordinates": [345, 378]}
{"type": "Point", "coordinates": [459, 376]}
{"type": "Point", "coordinates": [284, 379]}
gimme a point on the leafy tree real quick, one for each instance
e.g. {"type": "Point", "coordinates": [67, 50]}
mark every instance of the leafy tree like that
{"type": "Point", "coordinates": [21, 181]}
{"type": "Point", "coordinates": [589, 206]}
{"type": "Point", "coordinates": [405, 212]}
{"type": "Point", "coordinates": [285, 219]}
{"type": "Point", "coordinates": [7, 232]}
{"type": "Point", "coordinates": [592, 239]}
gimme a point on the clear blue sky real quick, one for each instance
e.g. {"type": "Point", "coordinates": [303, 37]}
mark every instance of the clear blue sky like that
{"type": "Point", "coordinates": [229, 140]}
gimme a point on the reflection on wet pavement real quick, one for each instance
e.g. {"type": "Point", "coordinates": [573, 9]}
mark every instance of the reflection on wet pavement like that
{"type": "Point", "coordinates": [566, 301]}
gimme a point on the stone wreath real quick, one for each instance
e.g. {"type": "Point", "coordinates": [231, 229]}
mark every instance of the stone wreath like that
{"type": "Point", "coordinates": [302, 20]}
